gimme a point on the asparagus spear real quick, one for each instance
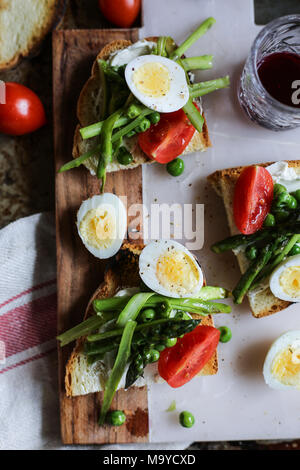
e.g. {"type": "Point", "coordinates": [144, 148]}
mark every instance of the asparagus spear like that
{"type": "Point", "coordinates": [85, 328]}
{"type": "Point", "coordinates": [280, 257]}
{"type": "Point", "coordinates": [236, 241]}
{"type": "Point", "coordinates": [194, 115]}
{"type": "Point", "coordinates": [200, 31]}
{"type": "Point", "coordinates": [193, 305]}
{"type": "Point", "coordinates": [202, 62]}
{"type": "Point", "coordinates": [254, 269]}
{"type": "Point", "coordinates": [106, 148]}
{"type": "Point", "coordinates": [95, 129]}
{"type": "Point", "coordinates": [171, 326]}
{"type": "Point", "coordinates": [203, 88]}
{"type": "Point", "coordinates": [118, 369]}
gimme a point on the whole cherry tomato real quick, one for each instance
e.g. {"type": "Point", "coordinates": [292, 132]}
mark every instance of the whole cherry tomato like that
{"type": "Point", "coordinates": [253, 195]}
{"type": "Point", "coordinates": [23, 111]}
{"type": "Point", "coordinates": [122, 13]}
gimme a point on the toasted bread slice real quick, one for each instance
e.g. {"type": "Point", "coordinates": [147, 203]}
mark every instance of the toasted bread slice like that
{"type": "Point", "coordinates": [88, 113]}
{"type": "Point", "coordinates": [82, 378]}
{"type": "Point", "coordinates": [23, 26]}
{"type": "Point", "coordinates": [262, 302]}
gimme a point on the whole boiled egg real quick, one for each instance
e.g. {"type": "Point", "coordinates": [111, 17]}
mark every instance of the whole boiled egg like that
{"type": "Point", "coordinates": [169, 269]}
{"type": "Point", "coordinates": [102, 224]}
{"type": "Point", "coordinates": [285, 280]}
{"type": "Point", "coordinates": [282, 364]}
{"type": "Point", "coordinates": [157, 82]}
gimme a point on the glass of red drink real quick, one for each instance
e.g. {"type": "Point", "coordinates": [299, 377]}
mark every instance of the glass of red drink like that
{"type": "Point", "coordinates": [269, 89]}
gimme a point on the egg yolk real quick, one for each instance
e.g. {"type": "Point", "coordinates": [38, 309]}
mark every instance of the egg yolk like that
{"type": "Point", "coordinates": [290, 281]}
{"type": "Point", "coordinates": [286, 367]}
{"type": "Point", "coordinates": [177, 272]}
{"type": "Point", "coordinates": [98, 227]}
{"type": "Point", "coordinates": [152, 79]}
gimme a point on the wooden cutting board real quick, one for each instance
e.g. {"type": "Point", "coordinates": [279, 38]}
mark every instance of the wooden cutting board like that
{"type": "Point", "coordinates": [78, 272]}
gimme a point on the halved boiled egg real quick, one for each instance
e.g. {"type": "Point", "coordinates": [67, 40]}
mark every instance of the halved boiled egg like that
{"type": "Point", "coordinates": [157, 82]}
{"type": "Point", "coordinates": [169, 269]}
{"type": "Point", "coordinates": [285, 280]}
{"type": "Point", "coordinates": [282, 364]}
{"type": "Point", "coordinates": [102, 224]}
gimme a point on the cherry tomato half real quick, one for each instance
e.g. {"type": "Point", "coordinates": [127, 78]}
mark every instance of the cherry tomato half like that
{"type": "Point", "coordinates": [23, 111]}
{"type": "Point", "coordinates": [253, 195]}
{"type": "Point", "coordinates": [122, 13]}
{"type": "Point", "coordinates": [179, 364]}
{"type": "Point", "coordinates": [167, 139]}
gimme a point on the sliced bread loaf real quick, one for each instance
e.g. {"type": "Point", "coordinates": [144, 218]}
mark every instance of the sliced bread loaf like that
{"type": "Point", "coordinates": [262, 301]}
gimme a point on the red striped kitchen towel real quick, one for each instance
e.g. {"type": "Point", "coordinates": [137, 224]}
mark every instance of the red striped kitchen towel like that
{"type": "Point", "coordinates": [28, 363]}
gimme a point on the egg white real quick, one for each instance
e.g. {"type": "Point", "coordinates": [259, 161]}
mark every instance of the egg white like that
{"type": "Point", "coordinates": [149, 258]}
{"type": "Point", "coordinates": [178, 93]}
{"type": "Point", "coordinates": [275, 286]}
{"type": "Point", "coordinates": [290, 339]}
{"type": "Point", "coordinates": [118, 215]}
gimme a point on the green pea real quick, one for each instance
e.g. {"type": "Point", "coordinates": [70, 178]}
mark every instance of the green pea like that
{"type": "Point", "coordinates": [282, 200]}
{"type": "Point", "coordinates": [226, 334]}
{"type": "Point", "coordinates": [124, 157]}
{"type": "Point", "coordinates": [154, 118]}
{"type": "Point", "coordinates": [269, 220]}
{"type": "Point", "coordinates": [186, 419]}
{"type": "Point", "coordinates": [116, 418]}
{"type": "Point", "coordinates": [251, 252]}
{"type": "Point", "coordinates": [147, 315]}
{"type": "Point", "coordinates": [295, 250]}
{"type": "Point", "coordinates": [154, 355]}
{"type": "Point", "coordinates": [296, 194]}
{"type": "Point", "coordinates": [170, 342]}
{"type": "Point", "coordinates": [133, 111]}
{"type": "Point", "coordinates": [175, 167]}
{"type": "Point", "coordinates": [160, 347]}
{"type": "Point", "coordinates": [278, 189]}
{"type": "Point", "coordinates": [292, 203]}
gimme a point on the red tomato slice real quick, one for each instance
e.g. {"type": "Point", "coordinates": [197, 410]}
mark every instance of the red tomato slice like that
{"type": "Point", "coordinates": [23, 111]}
{"type": "Point", "coordinates": [167, 139]}
{"type": "Point", "coordinates": [253, 195]}
{"type": "Point", "coordinates": [120, 12]}
{"type": "Point", "coordinates": [179, 364]}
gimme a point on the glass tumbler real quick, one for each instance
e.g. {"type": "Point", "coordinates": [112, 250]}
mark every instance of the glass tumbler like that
{"type": "Point", "coordinates": [280, 35]}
